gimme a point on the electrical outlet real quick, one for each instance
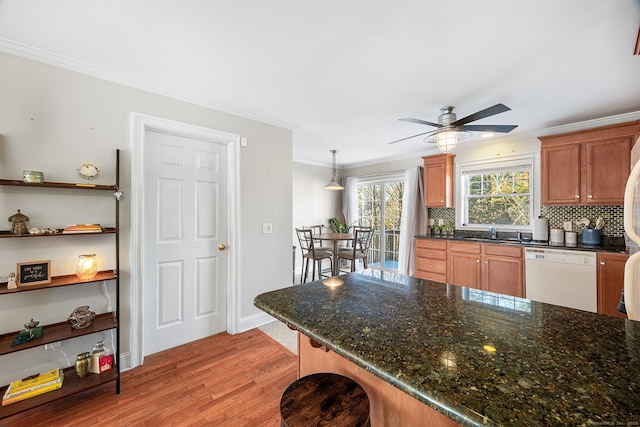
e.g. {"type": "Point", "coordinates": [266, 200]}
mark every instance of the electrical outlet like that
{"type": "Point", "coordinates": [441, 222]}
{"type": "Point", "coordinates": [267, 228]}
{"type": "Point", "coordinates": [53, 345]}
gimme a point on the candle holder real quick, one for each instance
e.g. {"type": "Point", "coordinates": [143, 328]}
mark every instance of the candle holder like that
{"type": "Point", "coordinates": [87, 266]}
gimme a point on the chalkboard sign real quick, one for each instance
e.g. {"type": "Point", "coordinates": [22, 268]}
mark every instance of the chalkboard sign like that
{"type": "Point", "coordinates": [34, 273]}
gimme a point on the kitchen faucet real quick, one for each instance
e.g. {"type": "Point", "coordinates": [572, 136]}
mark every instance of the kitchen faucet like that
{"type": "Point", "coordinates": [494, 233]}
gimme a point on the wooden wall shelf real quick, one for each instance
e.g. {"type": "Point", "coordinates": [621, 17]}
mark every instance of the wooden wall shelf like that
{"type": "Point", "coordinates": [6, 234]}
{"type": "Point", "coordinates": [56, 281]}
{"type": "Point", "coordinates": [75, 186]}
{"type": "Point", "coordinates": [58, 332]}
{"type": "Point", "coordinates": [71, 384]}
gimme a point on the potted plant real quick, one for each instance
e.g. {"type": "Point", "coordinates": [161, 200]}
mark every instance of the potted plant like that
{"type": "Point", "coordinates": [337, 226]}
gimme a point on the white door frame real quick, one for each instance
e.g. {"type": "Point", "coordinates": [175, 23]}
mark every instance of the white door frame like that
{"type": "Point", "coordinates": [141, 123]}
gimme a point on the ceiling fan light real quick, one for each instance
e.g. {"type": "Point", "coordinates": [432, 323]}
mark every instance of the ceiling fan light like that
{"type": "Point", "coordinates": [447, 140]}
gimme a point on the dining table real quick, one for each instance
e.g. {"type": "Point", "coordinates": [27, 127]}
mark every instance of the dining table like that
{"type": "Point", "coordinates": [335, 238]}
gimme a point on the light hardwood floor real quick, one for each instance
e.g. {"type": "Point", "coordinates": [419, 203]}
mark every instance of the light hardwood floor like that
{"type": "Point", "coordinates": [223, 380]}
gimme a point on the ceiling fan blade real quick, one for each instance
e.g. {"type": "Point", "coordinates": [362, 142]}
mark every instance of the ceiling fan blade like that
{"type": "Point", "coordinates": [489, 128]}
{"type": "Point", "coordinates": [487, 112]}
{"type": "Point", "coordinates": [413, 136]}
{"type": "Point", "coordinates": [420, 122]}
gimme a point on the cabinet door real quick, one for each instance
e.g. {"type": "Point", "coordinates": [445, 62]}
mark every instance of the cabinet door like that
{"type": "Point", "coordinates": [504, 275]}
{"type": "Point", "coordinates": [560, 175]}
{"type": "Point", "coordinates": [464, 269]}
{"type": "Point", "coordinates": [610, 282]}
{"type": "Point", "coordinates": [606, 165]}
{"type": "Point", "coordinates": [438, 181]}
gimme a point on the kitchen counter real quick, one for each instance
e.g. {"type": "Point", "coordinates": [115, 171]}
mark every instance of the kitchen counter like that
{"type": "Point", "coordinates": [608, 244]}
{"type": "Point", "coordinates": [477, 357]}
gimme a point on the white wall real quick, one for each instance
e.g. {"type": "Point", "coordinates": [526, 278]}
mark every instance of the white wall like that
{"type": "Point", "coordinates": [53, 120]}
{"type": "Point", "coordinates": [311, 204]}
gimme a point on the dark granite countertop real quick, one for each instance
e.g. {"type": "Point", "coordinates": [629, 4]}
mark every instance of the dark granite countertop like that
{"type": "Point", "coordinates": [608, 245]}
{"type": "Point", "coordinates": [478, 357]}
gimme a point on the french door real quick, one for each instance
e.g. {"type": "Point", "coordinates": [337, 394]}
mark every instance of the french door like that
{"type": "Point", "coordinates": [380, 207]}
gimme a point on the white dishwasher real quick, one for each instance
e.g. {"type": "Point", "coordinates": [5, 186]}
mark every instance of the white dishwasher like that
{"type": "Point", "coordinates": [561, 277]}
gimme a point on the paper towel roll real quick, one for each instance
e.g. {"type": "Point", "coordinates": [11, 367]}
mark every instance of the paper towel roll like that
{"type": "Point", "coordinates": [540, 229]}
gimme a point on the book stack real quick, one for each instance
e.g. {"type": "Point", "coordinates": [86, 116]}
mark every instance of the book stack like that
{"type": "Point", "coordinates": [33, 386]}
{"type": "Point", "coordinates": [82, 228]}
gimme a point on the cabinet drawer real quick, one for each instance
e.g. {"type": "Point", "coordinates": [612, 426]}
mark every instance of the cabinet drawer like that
{"type": "Point", "coordinates": [431, 254]}
{"type": "Point", "coordinates": [466, 247]}
{"type": "Point", "coordinates": [439, 245]}
{"type": "Point", "coordinates": [433, 266]}
{"type": "Point", "coordinates": [427, 275]}
{"type": "Point", "coordinates": [503, 250]}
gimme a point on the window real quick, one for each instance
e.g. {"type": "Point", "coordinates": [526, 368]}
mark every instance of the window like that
{"type": "Point", "coordinates": [497, 194]}
{"type": "Point", "coordinates": [380, 206]}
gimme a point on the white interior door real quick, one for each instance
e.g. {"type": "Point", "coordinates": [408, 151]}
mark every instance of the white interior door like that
{"type": "Point", "coordinates": [185, 220]}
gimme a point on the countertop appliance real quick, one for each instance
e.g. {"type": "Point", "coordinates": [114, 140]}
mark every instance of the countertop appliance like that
{"type": "Point", "coordinates": [630, 300]}
{"type": "Point", "coordinates": [566, 278]}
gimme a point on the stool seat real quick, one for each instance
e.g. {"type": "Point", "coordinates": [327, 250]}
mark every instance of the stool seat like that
{"type": "Point", "coordinates": [324, 399]}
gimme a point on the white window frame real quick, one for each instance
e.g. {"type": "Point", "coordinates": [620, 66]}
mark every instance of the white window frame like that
{"type": "Point", "coordinates": [505, 162]}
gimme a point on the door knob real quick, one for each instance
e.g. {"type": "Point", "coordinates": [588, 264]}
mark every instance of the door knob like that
{"type": "Point", "coordinates": [221, 247]}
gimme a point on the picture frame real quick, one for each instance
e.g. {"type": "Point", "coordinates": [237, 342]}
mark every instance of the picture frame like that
{"type": "Point", "coordinates": [33, 273]}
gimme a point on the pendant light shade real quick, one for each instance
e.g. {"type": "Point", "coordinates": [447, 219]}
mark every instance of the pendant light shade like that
{"type": "Point", "coordinates": [333, 185]}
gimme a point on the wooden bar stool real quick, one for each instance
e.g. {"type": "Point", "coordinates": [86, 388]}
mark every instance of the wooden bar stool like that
{"type": "Point", "coordinates": [324, 399]}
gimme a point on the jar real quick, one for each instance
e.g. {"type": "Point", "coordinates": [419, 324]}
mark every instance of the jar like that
{"type": "Point", "coordinates": [86, 267]}
{"type": "Point", "coordinates": [96, 354]}
{"type": "Point", "coordinates": [82, 364]}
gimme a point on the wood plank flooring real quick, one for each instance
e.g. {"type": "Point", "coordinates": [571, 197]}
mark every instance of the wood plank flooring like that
{"type": "Point", "coordinates": [223, 380]}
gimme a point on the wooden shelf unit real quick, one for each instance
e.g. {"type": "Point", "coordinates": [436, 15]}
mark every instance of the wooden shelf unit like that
{"type": "Point", "coordinates": [63, 331]}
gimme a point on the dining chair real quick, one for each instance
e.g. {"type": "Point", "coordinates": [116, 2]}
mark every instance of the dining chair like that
{"type": "Point", "coordinates": [311, 253]}
{"type": "Point", "coordinates": [360, 248]}
{"type": "Point", "coordinates": [318, 229]}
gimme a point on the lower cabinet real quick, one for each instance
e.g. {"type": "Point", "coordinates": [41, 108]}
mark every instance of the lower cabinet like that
{"type": "Point", "coordinates": [503, 270]}
{"type": "Point", "coordinates": [610, 282]}
{"type": "Point", "coordinates": [494, 268]}
{"type": "Point", "coordinates": [431, 259]}
{"type": "Point", "coordinates": [464, 264]}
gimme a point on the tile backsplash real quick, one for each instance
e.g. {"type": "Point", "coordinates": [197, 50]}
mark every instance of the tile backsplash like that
{"type": "Point", "coordinates": [557, 215]}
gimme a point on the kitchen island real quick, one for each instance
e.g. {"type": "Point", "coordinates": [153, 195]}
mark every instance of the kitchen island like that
{"type": "Point", "coordinates": [466, 355]}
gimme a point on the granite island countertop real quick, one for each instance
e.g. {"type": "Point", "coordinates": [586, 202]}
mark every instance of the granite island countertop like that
{"type": "Point", "coordinates": [478, 357]}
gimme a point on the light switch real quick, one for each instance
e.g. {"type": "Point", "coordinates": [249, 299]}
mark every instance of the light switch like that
{"type": "Point", "coordinates": [267, 228]}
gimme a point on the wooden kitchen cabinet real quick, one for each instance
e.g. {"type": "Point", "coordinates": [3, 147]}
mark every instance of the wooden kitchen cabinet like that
{"type": "Point", "coordinates": [610, 282]}
{"type": "Point", "coordinates": [588, 167]}
{"type": "Point", "coordinates": [431, 259]}
{"type": "Point", "coordinates": [464, 264]}
{"type": "Point", "coordinates": [438, 181]}
{"type": "Point", "coordinates": [490, 267]}
{"type": "Point", "coordinates": [503, 270]}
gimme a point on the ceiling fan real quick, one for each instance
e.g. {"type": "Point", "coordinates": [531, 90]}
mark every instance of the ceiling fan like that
{"type": "Point", "coordinates": [450, 130]}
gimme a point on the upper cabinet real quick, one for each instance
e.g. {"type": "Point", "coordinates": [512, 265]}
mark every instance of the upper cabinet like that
{"type": "Point", "coordinates": [588, 167]}
{"type": "Point", "coordinates": [438, 181]}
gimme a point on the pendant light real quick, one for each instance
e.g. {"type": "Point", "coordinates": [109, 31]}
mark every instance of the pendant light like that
{"type": "Point", "coordinates": [333, 185]}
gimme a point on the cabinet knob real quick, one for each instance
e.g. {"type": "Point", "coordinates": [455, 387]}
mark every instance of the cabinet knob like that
{"type": "Point", "coordinates": [589, 196]}
{"type": "Point", "coordinates": [441, 201]}
{"type": "Point", "coordinates": [577, 196]}
{"type": "Point", "coordinates": [478, 261]}
{"type": "Point", "coordinates": [486, 262]}
{"type": "Point", "coordinates": [602, 263]}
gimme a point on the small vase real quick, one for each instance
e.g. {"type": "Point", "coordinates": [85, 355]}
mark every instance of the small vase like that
{"type": "Point", "coordinates": [82, 364]}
